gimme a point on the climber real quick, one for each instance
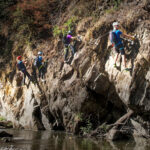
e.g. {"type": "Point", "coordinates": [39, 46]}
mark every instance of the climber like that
{"type": "Point", "coordinates": [67, 39]}
{"type": "Point", "coordinates": [39, 65]}
{"type": "Point", "coordinates": [117, 43]}
{"type": "Point", "coordinates": [21, 67]}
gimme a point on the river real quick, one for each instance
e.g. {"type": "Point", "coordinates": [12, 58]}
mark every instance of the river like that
{"type": "Point", "coordinates": [50, 140]}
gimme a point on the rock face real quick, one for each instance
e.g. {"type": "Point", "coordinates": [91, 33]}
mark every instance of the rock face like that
{"type": "Point", "coordinates": [5, 134]}
{"type": "Point", "coordinates": [89, 91]}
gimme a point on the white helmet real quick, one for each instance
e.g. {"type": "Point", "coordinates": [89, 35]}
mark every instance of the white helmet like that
{"type": "Point", "coordinates": [69, 32]}
{"type": "Point", "coordinates": [40, 53]}
{"type": "Point", "coordinates": [115, 24]}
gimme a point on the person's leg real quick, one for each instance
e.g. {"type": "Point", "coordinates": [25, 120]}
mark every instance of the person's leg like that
{"type": "Point", "coordinates": [24, 76]}
{"type": "Point", "coordinates": [43, 72]}
{"type": "Point", "coordinates": [116, 58]}
{"type": "Point", "coordinates": [123, 55]}
{"type": "Point", "coordinates": [72, 50]}
{"type": "Point", "coordinates": [28, 75]}
{"type": "Point", "coordinates": [124, 60]}
{"type": "Point", "coordinates": [66, 53]}
{"type": "Point", "coordinates": [117, 54]}
{"type": "Point", "coordinates": [39, 72]}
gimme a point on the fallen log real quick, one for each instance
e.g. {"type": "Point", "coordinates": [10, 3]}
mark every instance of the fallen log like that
{"type": "Point", "coordinates": [114, 133]}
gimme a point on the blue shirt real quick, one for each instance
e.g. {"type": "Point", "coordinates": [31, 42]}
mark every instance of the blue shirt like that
{"type": "Point", "coordinates": [119, 40]}
{"type": "Point", "coordinates": [21, 65]}
{"type": "Point", "coordinates": [40, 60]}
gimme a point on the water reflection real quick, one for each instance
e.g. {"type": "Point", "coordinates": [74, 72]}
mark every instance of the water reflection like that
{"type": "Point", "coordinates": [49, 140]}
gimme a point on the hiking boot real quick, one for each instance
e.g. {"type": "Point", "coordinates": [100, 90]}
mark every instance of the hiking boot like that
{"type": "Point", "coordinates": [127, 69]}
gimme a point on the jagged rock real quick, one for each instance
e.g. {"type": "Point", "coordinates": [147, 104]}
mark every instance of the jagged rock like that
{"type": "Point", "coordinates": [19, 78]}
{"type": "Point", "coordinates": [98, 82]}
{"type": "Point", "coordinates": [5, 134]}
{"type": "Point", "coordinates": [139, 130]}
{"type": "Point", "coordinates": [6, 124]}
{"type": "Point", "coordinates": [7, 139]}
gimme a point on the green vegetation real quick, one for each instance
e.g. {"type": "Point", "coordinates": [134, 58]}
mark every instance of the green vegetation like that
{"type": "Point", "coordinates": [116, 3]}
{"type": "Point", "coordinates": [2, 118]}
{"type": "Point", "coordinates": [87, 129]}
{"type": "Point", "coordinates": [110, 11]}
{"type": "Point", "coordinates": [67, 26]}
{"type": "Point", "coordinates": [79, 116]}
{"type": "Point", "coordinates": [22, 24]}
{"type": "Point", "coordinates": [56, 31]}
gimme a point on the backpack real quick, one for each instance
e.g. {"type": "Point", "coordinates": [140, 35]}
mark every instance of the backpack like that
{"type": "Point", "coordinates": [20, 65]}
{"type": "Point", "coordinates": [64, 39]}
{"type": "Point", "coordinates": [37, 62]}
{"type": "Point", "coordinates": [113, 37]}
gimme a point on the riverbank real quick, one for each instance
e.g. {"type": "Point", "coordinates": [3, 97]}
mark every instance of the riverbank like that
{"type": "Point", "coordinates": [47, 140]}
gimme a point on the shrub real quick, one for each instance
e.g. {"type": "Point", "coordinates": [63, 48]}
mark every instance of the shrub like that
{"type": "Point", "coordinates": [2, 118]}
{"type": "Point", "coordinates": [67, 26]}
{"type": "Point", "coordinates": [87, 129]}
{"type": "Point", "coordinates": [56, 31]}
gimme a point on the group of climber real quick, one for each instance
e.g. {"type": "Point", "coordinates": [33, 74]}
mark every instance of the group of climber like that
{"type": "Point", "coordinates": [38, 64]}
{"type": "Point", "coordinates": [115, 38]}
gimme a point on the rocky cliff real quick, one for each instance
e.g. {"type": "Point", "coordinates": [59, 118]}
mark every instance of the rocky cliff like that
{"type": "Point", "coordinates": [88, 93]}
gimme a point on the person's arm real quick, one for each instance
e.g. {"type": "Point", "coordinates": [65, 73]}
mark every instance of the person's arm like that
{"type": "Point", "coordinates": [76, 38]}
{"type": "Point", "coordinates": [128, 36]}
{"type": "Point", "coordinates": [73, 38]}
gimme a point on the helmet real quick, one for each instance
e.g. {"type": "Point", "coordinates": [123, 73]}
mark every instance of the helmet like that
{"type": "Point", "coordinates": [69, 32]}
{"type": "Point", "coordinates": [40, 53]}
{"type": "Point", "coordinates": [19, 57]}
{"type": "Point", "coordinates": [115, 24]}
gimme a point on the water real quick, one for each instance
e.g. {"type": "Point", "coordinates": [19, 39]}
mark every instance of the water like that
{"type": "Point", "coordinates": [49, 140]}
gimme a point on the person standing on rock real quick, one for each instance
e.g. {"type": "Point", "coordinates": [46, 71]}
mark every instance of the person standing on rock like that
{"type": "Point", "coordinates": [39, 64]}
{"type": "Point", "coordinates": [67, 39]}
{"type": "Point", "coordinates": [117, 43]}
{"type": "Point", "coordinates": [22, 68]}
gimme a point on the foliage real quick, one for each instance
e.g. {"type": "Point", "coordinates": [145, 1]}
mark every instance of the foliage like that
{"type": "Point", "coordinates": [70, 22]}
{"type": "Point", "coordinates": [116, 3]}
{"type": "Point", "coordinates": [37, 11]}
{"type": "Point", "coordinates": [87, 128]}
{"type": "Point", "coordinates": [110, 11]}
{"type": "Point", "coordinates": [56, 31]}
{"type": "Point", "coordinates": [79, 116]}
{"type": "Point", "coordinates": [2, 118]}
{"type": "Point", "coordinates": [23, 25]}
{"type": "Point", "coordinates": [67, 26]}
{"type": "Point", "coordinates": [29, 21]}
